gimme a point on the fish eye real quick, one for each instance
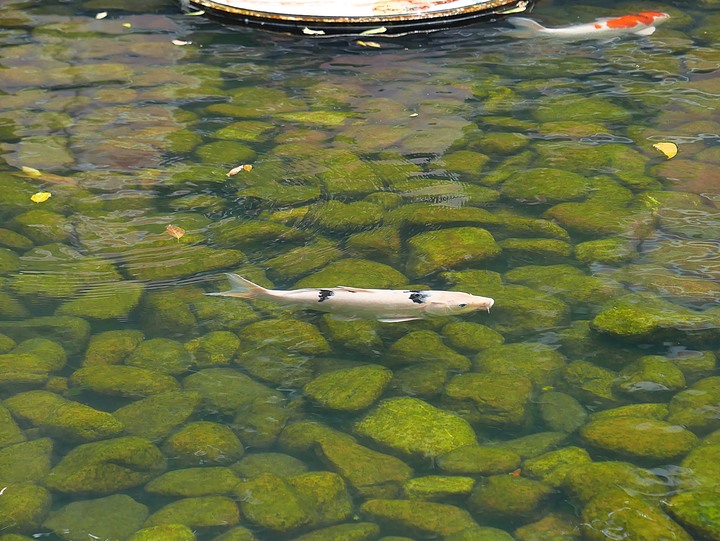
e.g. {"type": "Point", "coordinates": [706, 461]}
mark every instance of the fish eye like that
{"type": "Point", "coordinates": [462, 304]}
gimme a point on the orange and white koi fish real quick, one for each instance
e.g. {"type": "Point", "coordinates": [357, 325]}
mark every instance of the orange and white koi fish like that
{"type": "Point", "coordinates": [386, 305]}
{"type": "Point", "coordinates": [639, 24]}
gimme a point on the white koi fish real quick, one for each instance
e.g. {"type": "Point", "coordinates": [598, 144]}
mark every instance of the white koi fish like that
{"type": "Point", "coordinates": [386, 305]}
{"type": "Point", "coordinates": [639, 24]}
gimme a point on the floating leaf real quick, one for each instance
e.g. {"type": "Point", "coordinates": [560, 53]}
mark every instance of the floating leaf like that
{"type": "Point", "coordinates": [127, 25]}
{"type": "Point", "coordinates": [101, 15]}
{"type": "Point", "coordinates": [31, 172]}
{"type": "Point", "coordinates": [196, 13]}
{"type": "Point", "coordinates": [235, 170]}
{"type": "Point", "coordinates": [371, 31]}
{"type": "Point", "coordinates": [180, 42]}
{"type": "Point", "coordinates": [669, 149]}
{"type": "Point", "coordinates": [413, 115]}
{"type": "Point", "coordinates": [309, 32]}
{"type": "Point", "coordinates": [369, 44]}
{"type": "Point", "coordinates": [175, 231]}
{"type": "Point", "coordinates": [40, 197]}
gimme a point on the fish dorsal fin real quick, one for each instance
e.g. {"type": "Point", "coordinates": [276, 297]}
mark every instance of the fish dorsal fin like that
{"type": "Point", "coordinates": [355, 289]}
{"type": "Point", "coordinates": [649, 31]}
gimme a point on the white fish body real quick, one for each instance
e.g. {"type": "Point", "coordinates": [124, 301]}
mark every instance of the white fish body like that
{"type": "Point", "coordinates": [387, 305]}
{"type": "Point", "coordinates": [640, 24]}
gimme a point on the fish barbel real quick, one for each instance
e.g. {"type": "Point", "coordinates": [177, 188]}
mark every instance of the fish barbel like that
{"type": "Point", "coordinates": [640, 24]}
{"type": "Point", "coordinates": [386, 305]}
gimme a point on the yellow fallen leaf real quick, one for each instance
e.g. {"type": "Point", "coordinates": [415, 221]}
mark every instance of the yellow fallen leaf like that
{"type": "Point", "coordinates": [311, 32]}
{"type": "Point", "coordinates": [669, 149]}
{"type": "Point", "coordinates": [101, 15]}
{"type": "Point", "coordinates": [180, 42]}
{"type": "Point", "coordinates": [127, 25]}
{"type": "Point", "coordinates": [40, 197]}
{"type": "Point", "coordinates": [196, 13]}
{"type": "Point", "coordinates": [369, 44]}
{"type": "Point", "coordinates": [235, 170]}
{"type": "Point", "coordinates": [371, 31]}
{"type": "Point", "coordinates": [175, 231]}
{"type": "Point", "coordinates": [31, 172]}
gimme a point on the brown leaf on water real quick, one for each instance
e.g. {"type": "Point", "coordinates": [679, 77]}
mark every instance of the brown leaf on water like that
{"type": "Point", "coordinates": [235, 170]}
{"type": "Point", "coordinates": [175, 231]}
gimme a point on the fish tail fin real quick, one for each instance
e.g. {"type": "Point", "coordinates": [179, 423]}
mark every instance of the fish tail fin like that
{"type": "Point", "coordinates": [240, 287]}
{"type": "Point", "coordinates": [525, 28]}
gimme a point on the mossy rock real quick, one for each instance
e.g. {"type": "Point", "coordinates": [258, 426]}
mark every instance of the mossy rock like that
{"type": "Point", "coordinates": [578, 340]}
{"type": "Point", "coordinates": [127, 381]}
{"type": "Point", "coordinates": [204, 442]}
{"type": "Point", "coordinates": [170, 312]}
{"type": "Point", "coordinates": [413, 427]}
{"type": "Point", "coordinates": [590, 384]}
{"type": "Point", "coordinates": [10, 432]}
{"type": "Point", "coordinates": [553, 527]}
{"type": "Point", "coordinates": [161, 355]}
{"type": "Point", "coordinates": [652, 378]}
{"type": "Point", "coordinates": [226, 390]}
{"type": "Point", "coordinates": [550, 250]}
{"type": "Point", "coordinates": [693, 408]}
{"type": "Point", "coordinates": [579, 108]}
{"type": "Point", "coordinates": [505, 497]}
{"type": "Point", "coordinates": [105, 467]}
{"type": "Point", "coordinates": [9, 261]}
{"type": "Point", "coordinates": [200, 512]}
{"type": "Point", "coordinates": [544, 185]}
{"type": "Point", "coordinates": [349, 389]}
{"type": "Point", "coordinates": [697, 511]}
{"type": "Point", "coordinates": [478, 460]}
{"type": "Point", "coordinates": [421, 380]}
{"type": "Point", "coordinates": [561, 412]}
{"type": "Point", "coordinates": [23, 508]}
{"type": "Point", "coordinates": [296, 262]}
{"type": "Point", "coordinates": [340, 217]}
{"type": "Point", "coordinates": [237, 233]}
{"type": "Point", "coordinates": [539, 363]}
{"type": "Point", "coordinates": [424, 215]}
{"type": "Point", "coordinates": [600, 219]}
{"type": "Point", "coordinates": [470, 337]}
{"type": "Point", "coordinates": [259, 425]}
{"type": "Point", "coordinates": [292, 334]}
{"type": "Point", "coordinates": [239, 533]}
{"type": "Point", "coordinates": [491, 400]}
{"type": "Point", "coordinates": [382, 243]}
{"type": "Point", "coordinates": [185, 260]}
{"type": "Point", "coordinates": [222, 314]}
{"type": "Point", "coordinates": [422, 347]}
{"type": "Point", "coordinates": [109, 301]}
{"type": "Point", "coordinates": [437, 487]}
{"type": "Point", "coordinates": [449, 248]}
{"type": "Point", "coordinates": [246, 130]}
{"type": "Point", "coordinates": [359, 531]}
{"type": "Point", "coordinates": [252, 465]}
{"type": "Point", "coordinates": [326, 494]}
{"type": "Point", "coordinates": [519, 310]}
{"type": "Point", "coordinates": [359, 334]}
{"type": "Point", "coordinates": [355, 273]}
{"type": "Point", "coordinates": [156, 416]}
{"type": "Point", "coordinates": [695, 365]}
{"type": "Point", "coordinates": [551, 468]}
{"type": "Point", "coordinates": [651, 411]}
{"type": "Point", "coordinates": [416, 518]}
{"type": "Point", "coordinates": [465, 161]}
{"type": "Point", "coordinates": [630, 515]}
{"type": "Point", "coordinates": [480, 533]}
{"type": "Point", "coordinates": [164, 532]}
{"type": "Point", "coordinates": [111, 347]}
{"type": "Point", "coordinates": [533, 445]}
{"type": "Point", "coordinates": [70, 332]}
{"type": "Point", "coordinates": [7, 344]}
{"type": "Point", "coordinates": [583, 481]}
{"type": "Point", "coordinates": [609, 251]}
{"type": "Point", "coordinates": [112, 517]}
{"type": "Point", "coordinates": [230, 151]}
{"type": "Point", "coordinates": [42, 226]}
{"type": "Point", "coordinates": [370, 473]}
{"type": "Point", "coordinates": [15, 241]}
{"type": "Point", "coordinates": [277, 365]}
{"type": "Point", "coordinates": [26, 462]}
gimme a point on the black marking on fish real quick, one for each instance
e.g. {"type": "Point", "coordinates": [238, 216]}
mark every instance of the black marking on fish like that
{"type": "Point", "coordinates": [325, 294]}
{"type": "Point", "coordinates": [418, 296]}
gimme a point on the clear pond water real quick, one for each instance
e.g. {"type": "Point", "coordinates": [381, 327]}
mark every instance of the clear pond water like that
{"type": "Point", "coordinates": [583, 406]}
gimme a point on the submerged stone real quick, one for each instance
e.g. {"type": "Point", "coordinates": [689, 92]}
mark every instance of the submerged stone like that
{"type": "Point", "coordinates": [204, 442]}
{"type": "Point", "coordinates": [425, 346]}
{"type": "Point", "coordinates": [448, 248]}
{"type": "Point", "coordinates": [546, 185]}
{"type": "Point", "coordinates": [279, 365]}
{"type": "Point", "coordinates": [113, 518]}
{"type": "Point", "coordinates": [109, 301]}
{"type": "Point", "coordinates": [698, 511]}
{"type": "Point", "coordinates": [359, 334]}
{"type": "Point", "coordinates": [629, 516]}
{"type": "Point", "coordinates": [349, 389]}
{"type": "Point", "coordinates": [26, 462]}
{"type": "Point", "coordinates": [437, 487]}
{"type": "Point", "coordinates": [551, 468]}
{"type": "Point", "coordinates": [200, 512]}
{"type": "Point", "coordinates": [421, 519]}
{"type": "Point", "coordinates": [342, 217]}
{"type": "Point", "coordinates": [128, 381]}
{"type": "Point", "coordinates": [415, 428]}
{"type": "Point", "coordinates": [355, 273]}
{"type": "Point", "coordinates": [609, 251]}
{"type": "Point", "coordinates": [215, 348]}
{"type": "Point", "coordinates": [111, 347]}
{"type": "Point", "coordinates": [652, 378]}
{"type": "Point", "coordinates": [156, 416]}
{"type": "Point", "coordinates": [696, 407]}
{"type": "Point", "coordinates": [23, 508]}
{"type": "Point", "coordinates": [292, 334]}
{"type": "Point", "coordinates": [296, 262]}
{"type": "Point", "coordinates": [561, 412]}
{"type": "Point", "coordinates": [504, 497]}
{"type": "Point", "coordinates": [478, 460]}
{"type": "Point", "coordinates": [164, 532]}
{"type": "Point", "coordinates": [10, 432]}
{"type": "Point", "coordinates": [160, 355]}
{"type": "Point", "coordinates": [471, 337]}
{"type": "Point", "coordinates": [105, 467]}
{"type": "Point", "coordinates": [519, 310]}
{"type": "Point", "coordinates": [539, 363]}
{"type": "Point", "coordinates": [552, 527]}
{"type": "Point", "coordinates": [590, 384]}
{"type": "Point", "coordinates": [583, 481]}
{"type": "Point", "coordinates": [359, 531]}
{"type": "Point", "coordinates": [71, 332]}
{"type": "Point", "coordinates": [252, 465]}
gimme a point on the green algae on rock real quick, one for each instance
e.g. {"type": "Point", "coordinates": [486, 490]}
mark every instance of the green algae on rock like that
{"type": "Point", "coordinates": [519, 310]}
{"type": "Point", "coordinates": [421, 380]}
{"type": "Point", "coordinates": [215, 348]}
{"type": "Point", "coordinates": [118, 380]}
{"type": "Point", "coordinates": [204, 442]}
{"type": "Point", "coordinates": [415, 428]}
{"type": "Point", "coordinates": [112, 517]}
{"type": "Point", "coordinates": [652, 378]}
{"type": "Point", "coordinates": [561, 412]}
{"type": "Point", "coordinates": [552, 527]}
{"type": "Point", "coordinates": [437, 487]}
{"type": "Point", "coordinates": [608, 251]}
{"type": "Point", "coordinates": [478, 460]}
{"type": "Point", "coordinates": [349, 389]}
{"type": "Point", "coordinates": [111, 347]}
{"type": "Point", "coordinates": [471, 337]}
{"type": "Point", "coordinates": [355, 273]}
{"type": "Point", "coordinates": [546, 185]}
{"type": "Point", "coordinates": [424, 346]}
{"type": "Point", "coordinates": [156, 416]}
{"type": "Point", "coordinates": [259, 425]}
{"type": "Point", "coordinates": [447, 248]}
{"type": "Point", "coordinates": [296, 262]}
{"type": "Point", "coordinates": [71, 332]}
{"type": "Point", "coordinates": [26, 462]}
{"type": "Point", "coordinates": [540, 363]}
{"type": "Point", "coordinates": [584, 481]}
{"type": "Point", "coordinates": [417, 518]}
{"type": "Point", "coordinates": [505, 497]}
{"type": "Point", "coordinates": [10, 432]}
{"type": "Point", "coordinates": [295, 335]}
{"type": "Point", "coordinates": [697, 511]}
{"type": "Point", "coordinates": [252, 465]}
{"type": "Point", "coordinates": [359, 531]}
{"type": "Point", "coordinates": [23, 507]}
{"type": "Point", "coordinates": [590, 384]}
{"type": "Point", "coordinates": [359, 335]}
{"type": "Point", "coordinates": [160, 355]}
{"type": "Point", "coordinates": [105, 467]}
{"type": "Point", "coordinates": [370, 473]}
{"type": "Point", "coordinates": [628, 515]}
{"type": "Point", "coordinates": [551, 468]}
{"type": "Point", "coordinates": [695, 408]}
{"type": "Point", "coordinates": [106, 301]}
{"type": "Point", "coordinates": [492, 400]}
{"type": "Point", "coordinates": [164, 532]}
{"type": "Point", "coordinates": [199, 512]}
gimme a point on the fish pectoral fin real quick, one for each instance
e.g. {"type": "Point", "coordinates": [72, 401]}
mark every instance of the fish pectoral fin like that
{"type": "Point", "coordinates": [649, 31]}
{"type": "Point", "coordinates": [397, 319]}
{"type": "Point", "coordinates": [340, 317]}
